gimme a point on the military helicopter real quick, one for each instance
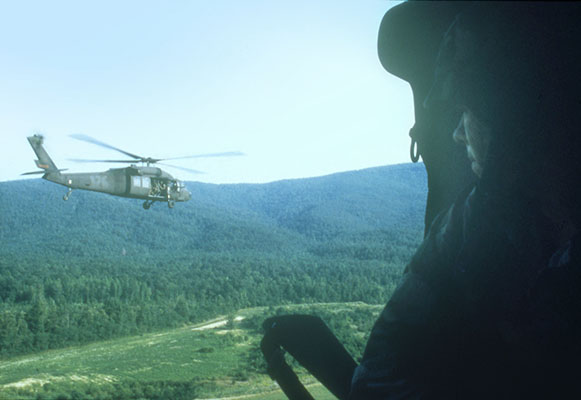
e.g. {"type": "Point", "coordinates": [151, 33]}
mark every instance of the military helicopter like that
{"type": "Point", "coordinates": [136, 181]}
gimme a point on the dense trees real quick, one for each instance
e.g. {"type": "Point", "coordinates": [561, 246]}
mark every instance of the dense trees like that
{"type": "Point", "coordinates": [51, 303]}
{"type": "Point", "coordinates": [98, 267]}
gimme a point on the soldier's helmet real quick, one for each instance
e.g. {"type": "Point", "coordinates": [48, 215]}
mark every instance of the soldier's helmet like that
{"type": "Point", "coordinates": [408, 41]}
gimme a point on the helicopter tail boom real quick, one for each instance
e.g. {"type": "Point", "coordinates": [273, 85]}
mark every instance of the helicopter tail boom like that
{"type": "Point", "coordinates": [44, 161]}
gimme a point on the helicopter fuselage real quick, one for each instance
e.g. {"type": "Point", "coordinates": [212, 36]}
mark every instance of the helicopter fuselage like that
{"type": "Point", "coordinates": [147, 183]}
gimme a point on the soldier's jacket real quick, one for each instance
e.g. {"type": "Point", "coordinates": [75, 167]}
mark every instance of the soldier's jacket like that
{"type": "Point", "coordinates": [487, 308]}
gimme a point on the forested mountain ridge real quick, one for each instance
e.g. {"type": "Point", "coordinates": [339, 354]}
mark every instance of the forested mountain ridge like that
{"type": "Point", "coordinates": [269, 217]}
{"type": "Point", "coordinates": [352, 201]}
{"type": "Point", "coordinates": [98, 266]}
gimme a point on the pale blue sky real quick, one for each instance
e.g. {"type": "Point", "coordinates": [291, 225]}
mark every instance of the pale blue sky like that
{"type": "Point", "coordinates": [295, 85]}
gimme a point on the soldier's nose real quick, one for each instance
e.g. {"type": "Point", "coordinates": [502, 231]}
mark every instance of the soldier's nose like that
{"type": "Point", "coordinates": [459, 134]}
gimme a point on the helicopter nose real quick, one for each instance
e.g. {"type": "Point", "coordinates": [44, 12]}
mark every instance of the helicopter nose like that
{"type": "Point", "coordinates": [187, 195]}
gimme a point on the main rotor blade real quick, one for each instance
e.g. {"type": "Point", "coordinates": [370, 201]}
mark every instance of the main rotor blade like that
{"type": "Point", "coordinates": [225, 154]}
{"type": "Point", "coordinates": [193, 171]}
{"type": "Point", "coordinates": [89, 139]}
{"type": "Point", "coordinates": [108, 161]}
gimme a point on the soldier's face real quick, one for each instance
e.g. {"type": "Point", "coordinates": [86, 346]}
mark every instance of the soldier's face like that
{"type": "Point", "coordinates": [476, 137]}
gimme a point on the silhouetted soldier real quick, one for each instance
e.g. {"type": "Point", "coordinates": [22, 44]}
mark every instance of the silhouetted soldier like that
{"type": "Point", "coordinates": [489, 305]}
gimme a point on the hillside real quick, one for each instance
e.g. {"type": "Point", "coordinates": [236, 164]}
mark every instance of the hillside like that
{"type": "Point", "coordinates": [98, 267]}
{"type": "Point", "coordinates": [284, 215]}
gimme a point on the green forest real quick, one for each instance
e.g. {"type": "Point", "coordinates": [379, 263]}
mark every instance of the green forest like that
{"type": "Point", "coordinates": [98, 267]}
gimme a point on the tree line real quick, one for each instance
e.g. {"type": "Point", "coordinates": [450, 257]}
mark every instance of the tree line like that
{"type": "Point", "coordinates": [51, 302]}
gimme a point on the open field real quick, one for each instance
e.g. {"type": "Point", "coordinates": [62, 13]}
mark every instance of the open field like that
{"type": "Point", "coordinates": [217, 359]}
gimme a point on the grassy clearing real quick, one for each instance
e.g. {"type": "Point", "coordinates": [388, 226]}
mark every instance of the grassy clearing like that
{"type": "Point", "coordinates": [217, 359]}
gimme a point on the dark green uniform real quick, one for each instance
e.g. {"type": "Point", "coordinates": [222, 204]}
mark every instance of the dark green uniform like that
{"type": "Point", "coordinates": [487, 308]}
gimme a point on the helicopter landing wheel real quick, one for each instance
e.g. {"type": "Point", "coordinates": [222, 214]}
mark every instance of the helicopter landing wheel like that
{"type": "Point", "coordinates": [171, 203]}
{"type": "Point", "coordinates": [147, 205]}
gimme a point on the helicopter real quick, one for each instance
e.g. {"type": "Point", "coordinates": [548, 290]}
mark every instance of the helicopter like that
{"type": "Point", "coordinates": [136, 181]}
